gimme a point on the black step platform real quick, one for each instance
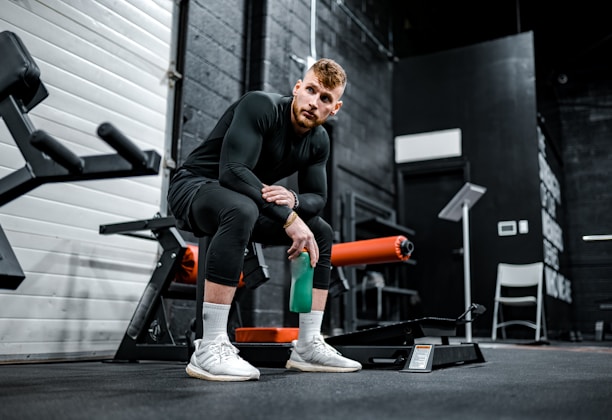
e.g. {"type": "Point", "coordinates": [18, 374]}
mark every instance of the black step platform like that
{"type": "Point", "coordinates": [390, 346]}
{"type": "Point", "coordinates": [400, 333]}
{"type": "Point", "coordinates": [383, 347]}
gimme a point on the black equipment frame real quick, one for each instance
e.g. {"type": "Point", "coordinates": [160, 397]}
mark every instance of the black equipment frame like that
{"type": "Point", "coordinates": [48, 160]}
{"type": "Point", "coordinates": [148, 336]}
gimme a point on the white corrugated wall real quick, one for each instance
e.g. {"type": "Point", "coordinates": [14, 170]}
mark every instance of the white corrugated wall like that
{"type": "Point", "coordinates": [101, 60]}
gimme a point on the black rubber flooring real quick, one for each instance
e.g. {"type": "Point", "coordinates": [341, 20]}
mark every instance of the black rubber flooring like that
{"type": "Point", "coordinates": [555, 381]}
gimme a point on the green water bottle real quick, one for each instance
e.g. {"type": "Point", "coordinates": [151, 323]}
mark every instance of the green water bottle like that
{"type": "Point", "coordinates": [300, 295]}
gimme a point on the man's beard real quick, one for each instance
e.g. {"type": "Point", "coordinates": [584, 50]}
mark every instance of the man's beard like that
{"type": "Point", "coordinates": [301, 120]}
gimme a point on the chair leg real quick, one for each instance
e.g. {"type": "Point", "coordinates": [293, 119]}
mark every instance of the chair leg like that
{"type": "Point", "coordinates": [541, 332]}
{"type": "Point", "coordinates": [501, 319]}
{"type": "Point", "coordinates": [544, 329]}
{"type": "Point", "coordinates": [494, 329]}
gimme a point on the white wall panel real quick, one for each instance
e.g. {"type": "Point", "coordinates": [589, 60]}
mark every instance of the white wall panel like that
{"type": "Point", "coordinates": [101, 61]}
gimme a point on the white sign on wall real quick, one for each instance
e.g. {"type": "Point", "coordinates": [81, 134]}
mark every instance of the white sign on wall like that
{"type": "Point", "coordinates": [426, 146]}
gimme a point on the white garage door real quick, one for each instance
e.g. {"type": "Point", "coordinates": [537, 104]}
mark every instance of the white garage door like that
{"type": "Point", "coordinates": [101, 61]}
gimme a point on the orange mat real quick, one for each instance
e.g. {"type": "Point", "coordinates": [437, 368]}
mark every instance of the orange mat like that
{"type": "Point", "coordinates": [266, 335]}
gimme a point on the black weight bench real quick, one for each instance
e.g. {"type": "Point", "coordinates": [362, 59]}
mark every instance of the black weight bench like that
{"type": "Point", "coordinates": [48, 160]}
{"type": "Point", "coordinates": [148, 336]}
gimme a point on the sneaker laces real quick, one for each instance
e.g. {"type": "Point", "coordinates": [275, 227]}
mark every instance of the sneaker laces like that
{"type": "Point", "coordinates": [319, 345]}
{"type": "Point", "coordinates": [224, 349]}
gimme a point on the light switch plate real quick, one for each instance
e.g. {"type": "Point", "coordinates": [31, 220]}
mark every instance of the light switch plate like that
{"type": "Point", "coordinates": [506, 228]}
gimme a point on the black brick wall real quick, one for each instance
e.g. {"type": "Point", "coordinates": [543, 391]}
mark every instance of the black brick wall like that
{"type": "Point", "coordinates": [585, 115]}
{"type": "Point", "coordinates": [213, 66]}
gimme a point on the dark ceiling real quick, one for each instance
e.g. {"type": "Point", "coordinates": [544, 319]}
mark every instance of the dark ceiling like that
{"type": "Point", "coordinates": [569, 37]}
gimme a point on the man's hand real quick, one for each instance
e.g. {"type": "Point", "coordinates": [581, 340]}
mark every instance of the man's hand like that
{"type": "Point", "coordinates": [278, 195]}
{"type": "Point", "coordinates": [298, 231]}
{"type": "Point", "coordinates": [302, 237]}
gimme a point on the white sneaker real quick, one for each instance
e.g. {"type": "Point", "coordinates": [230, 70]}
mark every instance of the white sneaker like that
{"type": "Point", "coordinates": [318, 356]}
{"type": "Point", "coordinates": [218, 360]}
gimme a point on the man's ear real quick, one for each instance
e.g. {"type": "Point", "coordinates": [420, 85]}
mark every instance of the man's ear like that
{"type": "Point", "coordinates": [336, 108]}
{"type": "Point", "coordinates": [297, 86]}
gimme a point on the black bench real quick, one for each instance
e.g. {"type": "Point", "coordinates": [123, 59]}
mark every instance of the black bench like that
{"type": "Point", "coordinates": [148, 336]}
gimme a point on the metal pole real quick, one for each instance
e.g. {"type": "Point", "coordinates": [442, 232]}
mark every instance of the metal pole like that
{"type": "Point", "coordinates": [466, 270]}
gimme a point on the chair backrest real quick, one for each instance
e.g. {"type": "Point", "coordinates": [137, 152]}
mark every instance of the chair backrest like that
{"type": "Point", "coordinates": [520, 275]}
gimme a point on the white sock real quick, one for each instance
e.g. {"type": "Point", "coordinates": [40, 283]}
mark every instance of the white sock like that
{"type": "Point", "coordinates": [310, 327]}
{"type": "Point", "coordinates": [215, 316]}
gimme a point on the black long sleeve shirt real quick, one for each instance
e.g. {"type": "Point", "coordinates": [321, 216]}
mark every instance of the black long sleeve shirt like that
{"type": "Point", "coordinates": [254, 143]}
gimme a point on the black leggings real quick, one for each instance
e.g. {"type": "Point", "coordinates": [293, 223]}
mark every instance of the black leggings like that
{"type": "Point", "coordinates": [233, 219]}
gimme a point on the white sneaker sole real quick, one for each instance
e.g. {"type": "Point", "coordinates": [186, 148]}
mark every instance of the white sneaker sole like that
{"type": "Point", "coordinates": [196, 372]}
{"type": "Point", "coordinates": [309, 367]}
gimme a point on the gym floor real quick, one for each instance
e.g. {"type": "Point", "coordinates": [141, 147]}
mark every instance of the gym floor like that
{"type": "Point", "coordinates": [558, 380]}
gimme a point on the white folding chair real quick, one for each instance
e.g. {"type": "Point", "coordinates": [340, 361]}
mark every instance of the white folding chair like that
{"type": "Point", "coordinates": [527, 277]}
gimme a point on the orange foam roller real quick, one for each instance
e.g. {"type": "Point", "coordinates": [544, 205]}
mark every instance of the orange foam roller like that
{"type": "Point", "coordinates": [372, 251]}
{"type": "Point", "coordinates": [188, 270]}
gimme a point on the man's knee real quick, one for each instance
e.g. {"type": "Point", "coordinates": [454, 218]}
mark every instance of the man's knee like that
{"type": "Point", "coordinates": [243, 215]}
{"type": "Point", "coordinates": [322, 230]}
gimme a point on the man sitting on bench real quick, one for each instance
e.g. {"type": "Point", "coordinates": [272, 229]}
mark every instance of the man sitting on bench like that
{"type": "Point", "coordinates": [225, 189]}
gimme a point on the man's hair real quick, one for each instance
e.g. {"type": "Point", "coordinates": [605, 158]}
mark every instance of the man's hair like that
{"type": "Point", "coordinates": [329, 73]}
